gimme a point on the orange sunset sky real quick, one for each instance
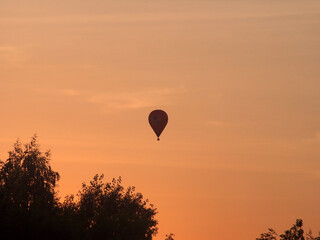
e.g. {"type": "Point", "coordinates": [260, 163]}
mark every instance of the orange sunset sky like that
{"type": "Point", "coordinates": [239, 80]}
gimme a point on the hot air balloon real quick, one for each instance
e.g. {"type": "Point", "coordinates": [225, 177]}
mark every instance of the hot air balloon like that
{"type": "Point", "coordinates": [158, 120]}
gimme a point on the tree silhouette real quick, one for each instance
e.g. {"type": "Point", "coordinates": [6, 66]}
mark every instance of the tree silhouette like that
{"type": "Point", "coordinates": [107, 210]}
{"type": "Point", "coordinates": [30, 207]}
{"type": "Point", "coordinates": [27, 194]}
{"type": "Point", "coordinates": [294, 233]}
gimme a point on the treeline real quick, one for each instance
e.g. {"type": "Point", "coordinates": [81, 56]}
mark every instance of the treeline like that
{"type": "Point", "coordinates": [30, 207]}
{"type": "Point", "coordinates": [296, 232]}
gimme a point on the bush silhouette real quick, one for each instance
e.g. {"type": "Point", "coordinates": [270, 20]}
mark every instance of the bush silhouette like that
{"type": "Point", "coordinates": [31, 209]}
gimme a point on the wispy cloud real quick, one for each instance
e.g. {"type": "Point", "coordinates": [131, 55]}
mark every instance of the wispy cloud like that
{"type": "Point", "coordinates": [217, 123]}
{"type": "Point", "coordinates": [317, 137]}
{"type": "Point", "coordinates": [11, 56]}
{"type": "Point", "coordinates": [118, 101]}
{"type": "Point", "coordinates": [70, 92]}
{"type": "Point", "coordinates": [133, 100]}
{"type": "Point", "coordinates": [149, 17]}
{"type": "Point", "coordinates": [316, 174]}
{"type": "Point", "coordinates": [313, 139]}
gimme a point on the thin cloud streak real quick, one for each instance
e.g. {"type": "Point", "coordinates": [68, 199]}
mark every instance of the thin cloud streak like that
{"type": "Point", "coordinates": [11, 56]}
{"type": "Point", "coordinates": [217, 123]}
{"type": "Point", "coordinates": [307, 173]}
{"type": "Point", "coordinates": [142, 17]}
{"type": "Point", "coordinates": [110, 102]}
{"type": "Point", "coordinates": [70, 92]}
{"type": "Point", "coordinates": [314, 139]}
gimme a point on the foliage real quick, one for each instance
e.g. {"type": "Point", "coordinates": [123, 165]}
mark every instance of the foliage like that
{"type": "Point", "coordinates": [27, 192]}
{"type": "Point", "coordinates": [294, 233]}
{"type": "Point", "coordinates": [107, 209]}
{"type": "Point", "coordinates": [170, 236]}
{"type": "Point", "coordinates": [30, 207]}
{"type": "Point", "coordinates": [271, 235]}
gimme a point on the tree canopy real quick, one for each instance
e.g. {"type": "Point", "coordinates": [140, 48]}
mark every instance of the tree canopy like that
{"type": "Point", "coordinates": [31, 208]}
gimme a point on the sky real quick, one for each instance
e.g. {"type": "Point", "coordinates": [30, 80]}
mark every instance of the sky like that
{"type": "Point", "coordinates": [238, 79]}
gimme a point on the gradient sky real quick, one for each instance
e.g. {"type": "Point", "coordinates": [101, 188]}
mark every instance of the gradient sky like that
{"type": "Point", "coordinates": [238, 79]}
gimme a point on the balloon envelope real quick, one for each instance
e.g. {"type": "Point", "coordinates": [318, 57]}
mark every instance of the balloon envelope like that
{"type": "Point", "coordinates": [158, 120]}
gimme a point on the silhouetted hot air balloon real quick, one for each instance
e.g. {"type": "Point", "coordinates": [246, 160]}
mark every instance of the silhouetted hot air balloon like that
{"type": "Point", "coordinates": [158, 120]}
